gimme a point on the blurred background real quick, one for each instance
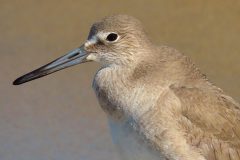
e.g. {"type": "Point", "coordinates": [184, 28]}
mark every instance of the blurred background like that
{"type": "Point", "coordinates": [57, 117]}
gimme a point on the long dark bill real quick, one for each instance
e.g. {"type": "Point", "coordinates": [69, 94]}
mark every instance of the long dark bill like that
{"type": "Point", "coordinates": [74, 57]}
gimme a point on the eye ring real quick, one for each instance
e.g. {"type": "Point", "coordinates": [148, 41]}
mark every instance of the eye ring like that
{"type": "Point", "coordinates": [111, 37]}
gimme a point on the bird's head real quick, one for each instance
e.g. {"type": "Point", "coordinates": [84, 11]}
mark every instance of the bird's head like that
{"type": "Point", "coordinates": [115, 40]}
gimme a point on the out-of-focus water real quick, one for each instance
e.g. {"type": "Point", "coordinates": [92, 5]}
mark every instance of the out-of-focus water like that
{"type": "Point", "coordinates": [57, 117]}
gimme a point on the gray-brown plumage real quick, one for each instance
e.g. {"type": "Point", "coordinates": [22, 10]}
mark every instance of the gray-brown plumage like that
{"type": "Point", "coordinates": [159, 105]}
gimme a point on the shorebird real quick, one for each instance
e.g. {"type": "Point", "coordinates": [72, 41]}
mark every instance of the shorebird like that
{"type": "Point", "coordinates": [158, 103]}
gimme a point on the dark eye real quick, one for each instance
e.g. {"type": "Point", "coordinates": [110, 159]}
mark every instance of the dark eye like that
{"type": "Point", "coordinates": [112, 37]}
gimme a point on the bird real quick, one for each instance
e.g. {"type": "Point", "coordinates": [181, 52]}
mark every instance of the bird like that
{"type": "Point", "coordinates": [158, 103]}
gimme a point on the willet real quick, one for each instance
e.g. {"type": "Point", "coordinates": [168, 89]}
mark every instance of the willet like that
{"type": "Point", "coordinates": [159, 105]}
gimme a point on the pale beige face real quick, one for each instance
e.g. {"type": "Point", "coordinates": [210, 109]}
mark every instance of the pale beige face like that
{"type": "Point", "coordinates": [113, 41]}
{"type": "Point", "coordinates": [104, 47]}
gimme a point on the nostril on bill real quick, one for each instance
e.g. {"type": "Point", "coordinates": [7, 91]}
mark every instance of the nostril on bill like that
{"type": "Point", "coordinates": [74, 55]}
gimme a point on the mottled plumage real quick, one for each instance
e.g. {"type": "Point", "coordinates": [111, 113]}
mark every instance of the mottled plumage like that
{"type": "Point", "coordinates": [159, 104]}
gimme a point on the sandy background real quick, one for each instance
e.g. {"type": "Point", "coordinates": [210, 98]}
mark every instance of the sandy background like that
{"type": "Point", "coordinates": [57, 117]}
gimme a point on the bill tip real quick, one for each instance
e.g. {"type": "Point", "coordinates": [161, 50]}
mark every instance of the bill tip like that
{"type": "Point", "coordinates": [17, 82]}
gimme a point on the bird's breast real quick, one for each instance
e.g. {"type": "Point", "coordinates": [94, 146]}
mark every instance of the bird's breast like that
{"type": "Point", "coordinates": [124, 103]}
{"type": "Point", "coordinates": [120, 97]}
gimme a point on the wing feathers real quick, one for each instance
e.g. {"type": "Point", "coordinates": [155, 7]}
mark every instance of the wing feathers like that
{"type": "Point", "coordinates": [211, 122]}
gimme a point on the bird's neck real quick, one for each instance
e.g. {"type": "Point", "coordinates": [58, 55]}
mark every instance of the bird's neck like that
{"type": "Point", "coordinates": [134, 89]}
{"type": "Point", "coordinates": [121, 97]}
